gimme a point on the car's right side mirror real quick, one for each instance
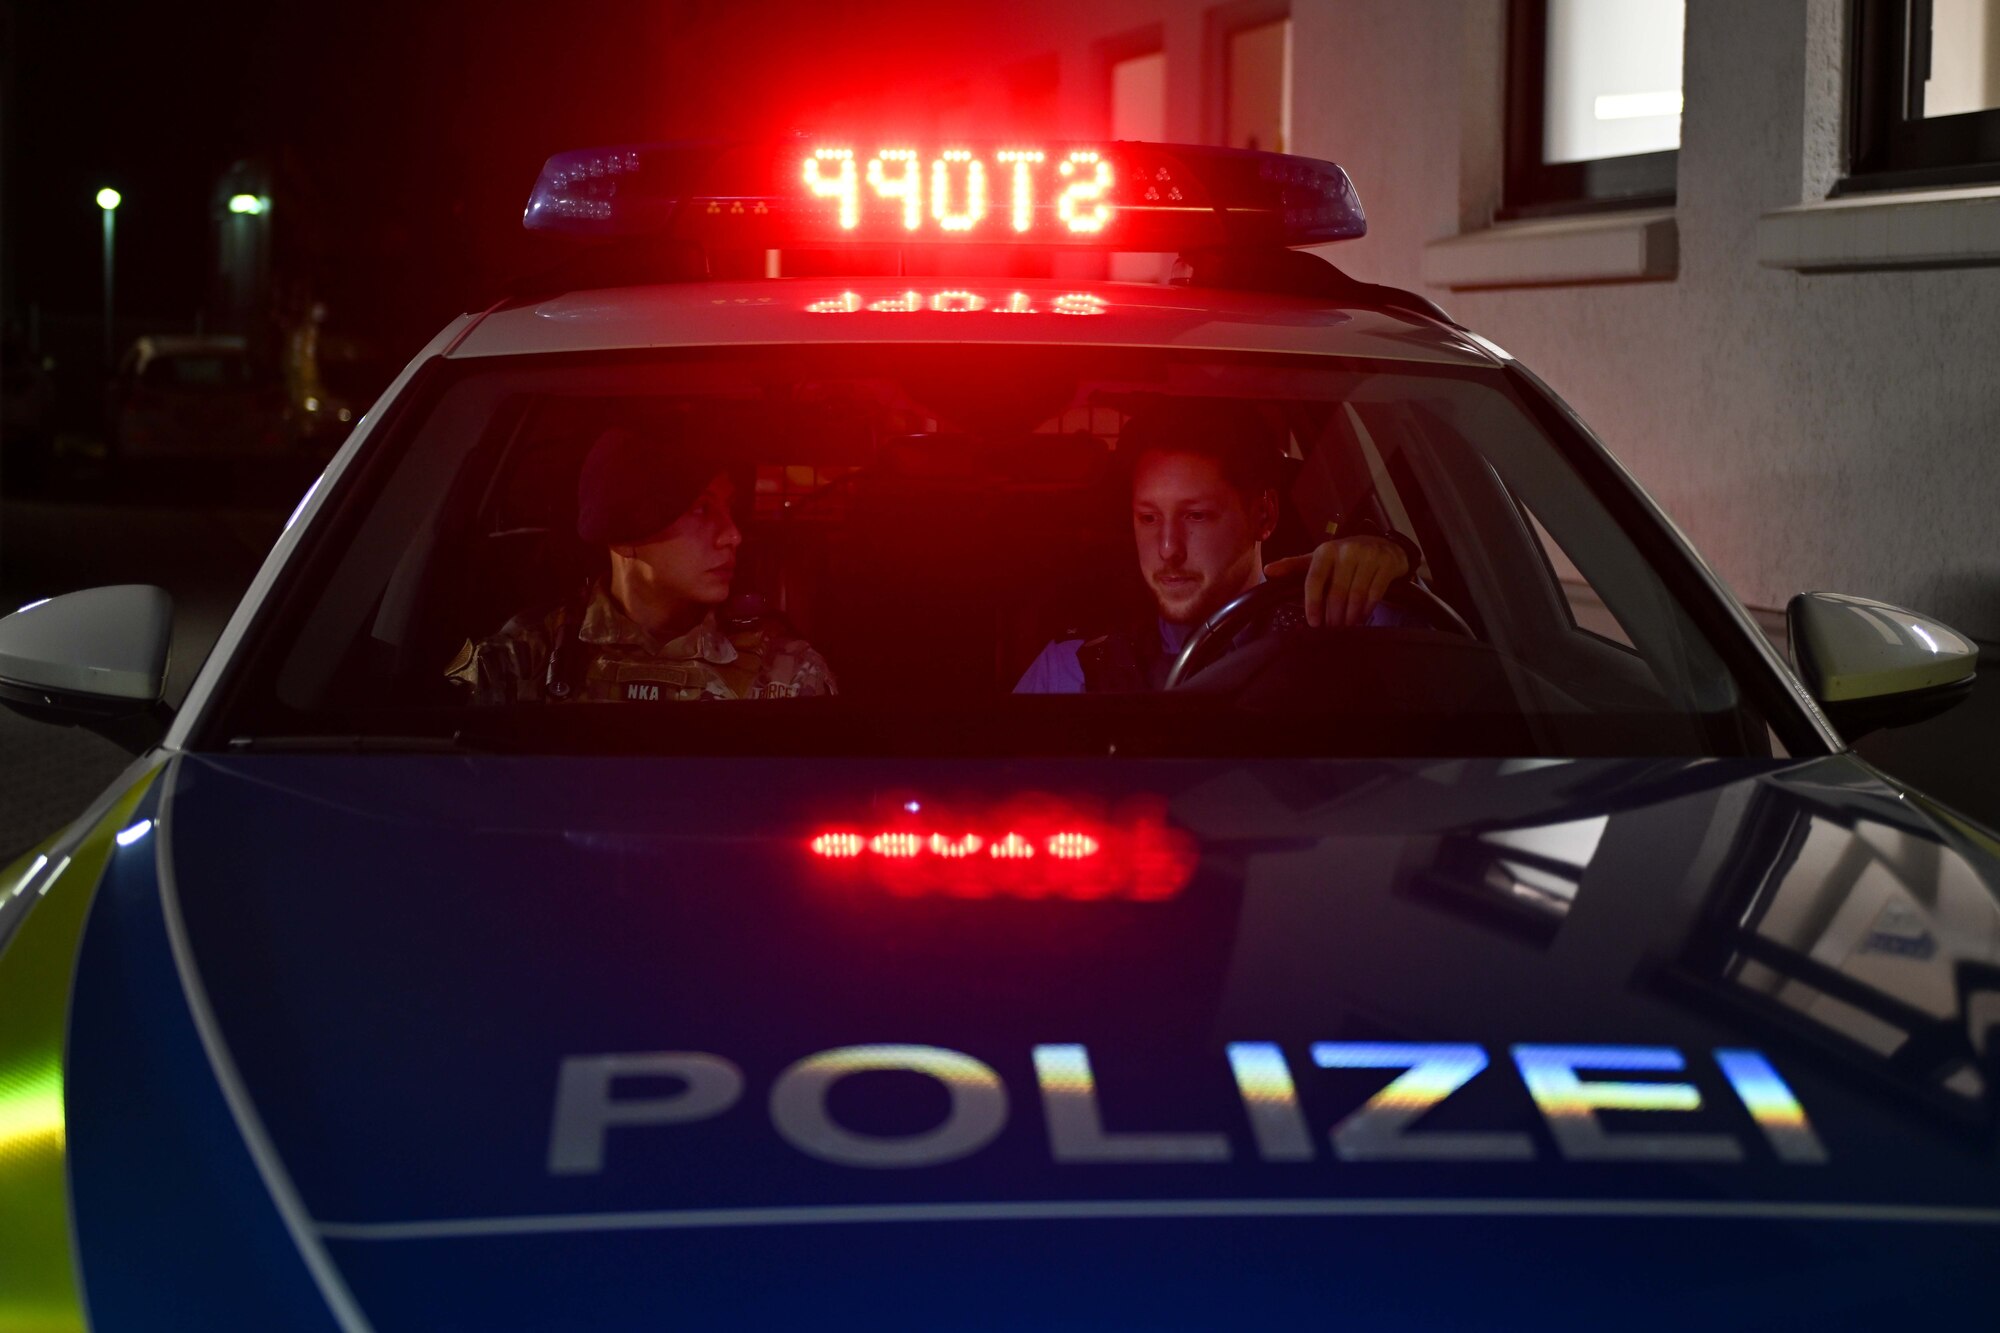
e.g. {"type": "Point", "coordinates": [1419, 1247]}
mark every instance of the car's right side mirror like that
{"type": "Point", "coordinates": [1873, 665]}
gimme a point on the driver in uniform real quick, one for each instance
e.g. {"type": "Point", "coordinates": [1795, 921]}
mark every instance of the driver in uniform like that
{"type": "Point", "coordinates": [646, 631]}
{"type": "Point", "coordinates": [1205, 484]}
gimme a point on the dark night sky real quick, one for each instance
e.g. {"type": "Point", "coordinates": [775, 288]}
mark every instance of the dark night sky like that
{"type": "Point", "coordinates": [405, 136]}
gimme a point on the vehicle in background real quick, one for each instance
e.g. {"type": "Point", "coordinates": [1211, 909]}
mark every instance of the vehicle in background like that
{"type": "Point", "coordinates": [194, 396]}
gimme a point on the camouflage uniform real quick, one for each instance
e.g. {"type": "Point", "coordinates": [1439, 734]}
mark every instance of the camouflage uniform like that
{"type": "Point", "coordinates": [629, 664]}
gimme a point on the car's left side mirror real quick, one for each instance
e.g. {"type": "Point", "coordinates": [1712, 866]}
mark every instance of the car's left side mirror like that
{"type": "Point", "coordinates": [1874, 665]}
{"type": "Point", "coordinates": [96, 659]}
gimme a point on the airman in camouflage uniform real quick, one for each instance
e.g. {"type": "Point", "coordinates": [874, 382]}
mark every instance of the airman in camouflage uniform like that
{"type": "Point", "coordinates": [647, 632]}
{"type": "Point", "coordinates": [626, 663]}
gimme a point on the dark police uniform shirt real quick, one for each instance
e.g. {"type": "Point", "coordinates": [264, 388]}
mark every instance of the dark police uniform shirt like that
{"type": "Point", "coordinates": [629, 664]}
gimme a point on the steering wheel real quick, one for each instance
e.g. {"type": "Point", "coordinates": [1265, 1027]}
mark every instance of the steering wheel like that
{"type": "Point", "coordinates": [1280, 604]}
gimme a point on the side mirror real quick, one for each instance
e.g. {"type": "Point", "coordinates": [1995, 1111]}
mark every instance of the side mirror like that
{"type": "Point", "coordinates": [96, 659]}
{"type": "Point", "coordinates": [1873, 665]}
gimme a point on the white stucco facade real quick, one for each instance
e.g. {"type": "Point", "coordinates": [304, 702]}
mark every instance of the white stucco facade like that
{"type": "Point", "coordinates": [1823, 430]}
{"type": "Point", "coordinates": [1808, 429]}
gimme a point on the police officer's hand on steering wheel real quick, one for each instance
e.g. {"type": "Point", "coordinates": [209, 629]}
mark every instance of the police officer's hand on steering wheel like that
{"type": "Point", "coordinates": [1274, 606]}
{"type": "Point", "coordinates": [1345, 577]}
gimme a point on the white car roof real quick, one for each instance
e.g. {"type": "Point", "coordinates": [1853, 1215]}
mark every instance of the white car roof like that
{"type": "Point", "coordinates": [978, 310]}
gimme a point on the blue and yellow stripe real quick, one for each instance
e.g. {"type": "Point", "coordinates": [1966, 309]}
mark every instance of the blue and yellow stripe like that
{"type": "Point", "coordinates": [38, 1288]}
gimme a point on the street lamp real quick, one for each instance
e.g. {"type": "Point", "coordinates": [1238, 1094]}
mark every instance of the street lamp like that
{"type": "Point", "coordinates": [108, 200]}
{"type": "Point", "coordinates": [251, 204]}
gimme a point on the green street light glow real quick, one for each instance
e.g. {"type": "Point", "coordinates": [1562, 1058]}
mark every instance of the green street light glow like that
{"type": "Point", "coordinates": [108, 198]}
{"type": "Point", "coordinates": [248, 203]}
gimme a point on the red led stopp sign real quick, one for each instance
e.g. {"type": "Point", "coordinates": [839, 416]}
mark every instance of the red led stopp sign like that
{"type": "Point", "coordinates": [963, 194]}
{"type": "Point", "coordinates": [1031, 849]}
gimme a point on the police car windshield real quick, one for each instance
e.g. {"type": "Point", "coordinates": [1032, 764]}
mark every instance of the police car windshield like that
{"type": "Point", "coordinates": [979, 550]}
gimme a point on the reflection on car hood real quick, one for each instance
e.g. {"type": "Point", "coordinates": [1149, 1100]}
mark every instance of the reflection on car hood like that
{"type": "Point", "coordinates": [1140, 1113]}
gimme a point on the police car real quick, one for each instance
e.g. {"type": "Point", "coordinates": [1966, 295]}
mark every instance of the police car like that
{"type": "Point", "coordinates": [1542, 958]}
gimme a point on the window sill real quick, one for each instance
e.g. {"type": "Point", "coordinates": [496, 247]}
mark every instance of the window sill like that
{"type": "Point", "coordinates": [1639, 246]}
{"type": "Point", "coordinates": [1913, 229]}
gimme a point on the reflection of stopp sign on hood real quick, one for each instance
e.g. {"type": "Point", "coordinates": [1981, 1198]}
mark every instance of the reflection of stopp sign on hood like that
{"type": "Point", "coordinates": [1031, 847]}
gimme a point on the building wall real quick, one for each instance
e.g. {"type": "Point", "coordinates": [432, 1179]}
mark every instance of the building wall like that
{"type": "Point", "coordinates": [1835, 430]}
{"type": "Point", "coordinates": [1808, 431]}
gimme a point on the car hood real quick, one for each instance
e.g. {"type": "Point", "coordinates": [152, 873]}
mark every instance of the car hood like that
{"type": "Point", "coordinates": [563, 1042]}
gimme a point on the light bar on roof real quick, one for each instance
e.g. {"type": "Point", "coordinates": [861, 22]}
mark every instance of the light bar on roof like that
{"type": "Point", "coordinates": [830, 191]}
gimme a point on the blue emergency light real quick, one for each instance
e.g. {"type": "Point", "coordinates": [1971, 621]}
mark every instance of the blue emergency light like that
{"type": "Point", "coordinates": [825, 191]}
